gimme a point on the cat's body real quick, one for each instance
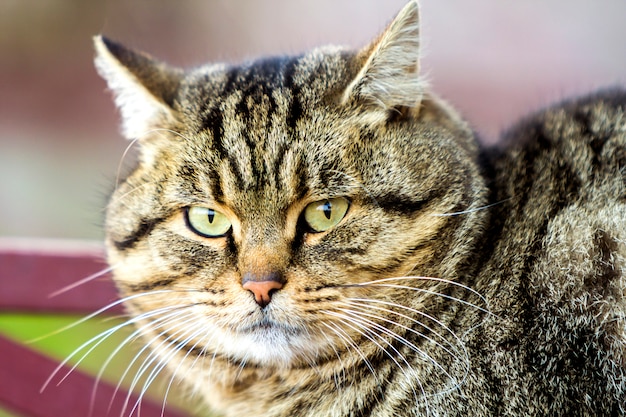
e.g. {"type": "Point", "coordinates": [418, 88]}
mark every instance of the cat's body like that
{"type": "Point", "coordinates": [362, 255]}
{"type": "Point", "coordinates": [555, 344]}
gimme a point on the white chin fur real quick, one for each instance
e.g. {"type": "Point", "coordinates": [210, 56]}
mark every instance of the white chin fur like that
{"type": "Point", "coordinates": [271, 346]}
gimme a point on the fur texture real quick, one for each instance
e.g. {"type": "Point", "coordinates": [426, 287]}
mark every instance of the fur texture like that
{"type": "Point", "coordinates": [460, 282]}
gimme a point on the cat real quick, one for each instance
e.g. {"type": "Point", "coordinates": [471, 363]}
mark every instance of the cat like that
{"type": "Point", "coordinates": [321, 235]}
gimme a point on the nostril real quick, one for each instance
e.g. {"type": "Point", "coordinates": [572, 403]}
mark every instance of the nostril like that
{"type": "Point", "coordinates": [262, 290]}
{"type": "Point", "coordinates": [263, 285]}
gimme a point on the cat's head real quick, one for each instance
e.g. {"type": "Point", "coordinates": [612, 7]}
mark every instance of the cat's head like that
{"type": "Point", "coordinates": [272, 198]}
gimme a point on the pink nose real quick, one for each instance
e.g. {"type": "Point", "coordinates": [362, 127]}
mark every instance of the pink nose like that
{"type": "Point", "coordinates": [262, 290]}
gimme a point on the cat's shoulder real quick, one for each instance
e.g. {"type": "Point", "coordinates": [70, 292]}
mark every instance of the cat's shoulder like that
{"type": "Point", "coordinates": [592, 125]}
{"type": "Point", "coordinates": [560, 175]}
{"type": "Point", "coordinates": [559, 178]}
{"type": "Point", "coordinates": [579, 144]}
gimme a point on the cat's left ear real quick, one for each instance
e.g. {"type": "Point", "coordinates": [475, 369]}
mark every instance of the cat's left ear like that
{"type": "Point", "coordinates": [389, 76]}
{"type": "Point", "coordinates": [144, 88]}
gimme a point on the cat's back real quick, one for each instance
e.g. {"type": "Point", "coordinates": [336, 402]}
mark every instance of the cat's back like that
{"type": "Point", "coordinates": [583, 139]}
{"type": "Point", "coordinates": [566, 160]}
{"type": "Point", "coordinates": [559, 179]}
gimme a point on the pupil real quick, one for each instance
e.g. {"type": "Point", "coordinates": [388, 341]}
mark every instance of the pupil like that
{"type": "Point", "coordinates": [211, 215]}
{"type": "Point", "coordinates": [327, 209]}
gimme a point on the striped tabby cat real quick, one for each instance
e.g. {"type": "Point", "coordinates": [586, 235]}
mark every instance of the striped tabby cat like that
{"type": "Point", "coordinates": [320, 235]}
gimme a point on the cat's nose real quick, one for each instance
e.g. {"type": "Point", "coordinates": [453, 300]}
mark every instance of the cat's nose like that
{"type": "Point", "coordinates": [262, 286]}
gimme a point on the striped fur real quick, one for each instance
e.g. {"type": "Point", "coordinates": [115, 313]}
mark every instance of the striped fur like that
{"type": "Point", "coordinates": [461, 282]}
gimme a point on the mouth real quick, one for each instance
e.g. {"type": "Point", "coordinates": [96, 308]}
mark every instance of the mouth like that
{"type": "Point", "coordinates": [269, 327]}
{"type": "Point", "coordinates": [271, 343]}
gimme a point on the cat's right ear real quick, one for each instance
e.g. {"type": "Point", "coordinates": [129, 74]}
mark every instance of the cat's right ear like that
{"type": "Point", "coordinates": [144, 88]}
{"type": "Point", "coordinates": [389, 77]}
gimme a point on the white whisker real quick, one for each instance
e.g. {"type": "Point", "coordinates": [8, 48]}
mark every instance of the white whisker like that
{"type": "Point", "coordinates": [81, 282]}
{"type": "Point", "coordinates": [342, 367]}
{"type": "Point", "coordinates": [488, 206]}
{"type": "Point", "coordinates": [346, 320]}
{"type": "Point", "coordinates": [431, 292]}
{"type": "Point", "coordinates": [173, 312]}
{"type": "Point", "coordinates": [188, 316]}
{"type": "Point", "coordinates": [350, 343]}
{"type": "Point", "coordinates": [102, 310]}
{"type": "Point", "coordinates": [98, 339]}
{"type": "Point", "coordinates": [120, 198]}
{"type": "Point", "coordinates": [124, 154]}
{"type": "Point", "coordinates": [189, 335]}
{"type": "Point", "coordinates": [369, 334]}
{"type": "Point", "coordinates": [412, 310]}
{"type": "Point", "coordinates": [423, 278]}
{"type": "Point", "coordinates": [363, 308]}
{"type": "Point", "coordinates": [403, 340]}
{"type": "Point", "coordinates": [134, 142]}
{"type": "Point", "coordinates": [174, 373]}
{"type": "Point", "coordinates": [240, 367]}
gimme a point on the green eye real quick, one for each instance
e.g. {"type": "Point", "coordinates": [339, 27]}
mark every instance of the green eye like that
{"type": "Point", "coordinates": [207, 222]}
{"type": "Point", "coordinates": [324, 214]}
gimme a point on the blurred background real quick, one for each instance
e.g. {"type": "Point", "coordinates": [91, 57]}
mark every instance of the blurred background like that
{"type": "Point", "coordinates": [59, 142]}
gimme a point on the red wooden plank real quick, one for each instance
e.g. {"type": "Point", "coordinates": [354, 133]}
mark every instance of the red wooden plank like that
{"type": "Point", "coordinates": [31, 271]}
{"type": "Point", "coordinates": [23, 372]}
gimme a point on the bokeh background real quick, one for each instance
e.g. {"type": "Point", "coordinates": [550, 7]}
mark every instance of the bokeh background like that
{"type": "Point", "coordinates": [494, 60]}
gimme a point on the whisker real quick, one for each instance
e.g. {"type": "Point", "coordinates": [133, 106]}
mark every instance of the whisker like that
{"type": "Point", "coordinates": [342, 366]}
{"type": "Point", "coordinates": [173, 312]}
{"type": "Point", "coordinates": [422, 278]}
{"type": "Point", "coordinates": [164, 360]}
{"type": "Point", "coordinates": [175, 372]}
{"type": "Point", "coordinates": [240, 367]}
{"type": "Point", "coordinates": [102, 310]}
{"type": "Point", "coordinates": [202, 353]}
{"type": "Point", "coordinates": [134, 142]}
{"type": "Point", "coordinates": [115, 198]}
{"type": "Point", "coordinates": [366, 332]}
{"type": "Point", "coordinates": [163, 129]}
{"type": "Point", "coordinates": [413, 310]}
{"type": "Point", "coordinates": [363, 307]}
{"type": "Point", "coordinates": [431, 292]}
{"type": "Point", "coordinates": [81, 282]}
{"type": "Point", "coordinates": [397, 337]}
{"type": "Point", "coordinates": [358, 321]}
{"type": "Point", "coordinates": [119, 166]}
{"type": "Point", "coordinates": [189, 316]}
{"type": "Point", "coordinates": [99, 338]}
{"type": "Point", "coordinates": [488, 206]}
{"type": "Point", "coordinates": [463, 354]}
{"type": "Point", "coordinates": [351, 343]}
{"type": "Point", "coordinates": [212, 360]}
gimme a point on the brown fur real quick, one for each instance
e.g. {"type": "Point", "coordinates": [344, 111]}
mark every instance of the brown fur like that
{"type": "Point", "coordinates": [461, 281]}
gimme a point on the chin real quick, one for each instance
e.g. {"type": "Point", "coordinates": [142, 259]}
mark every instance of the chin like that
{"type": "Point", "coordinates": [271, 345]}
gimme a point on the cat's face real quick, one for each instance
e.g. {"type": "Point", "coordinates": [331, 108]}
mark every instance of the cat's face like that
{"type": "Point", "coordinates": [273, 200]}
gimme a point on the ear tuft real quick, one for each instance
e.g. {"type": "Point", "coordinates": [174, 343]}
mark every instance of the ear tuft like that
{"type": "Point", "coordinates": [144, 89]}
{"type": "Point", "coordinates": [389, 77]}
